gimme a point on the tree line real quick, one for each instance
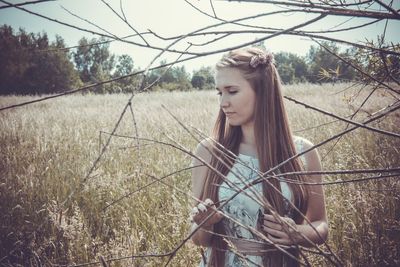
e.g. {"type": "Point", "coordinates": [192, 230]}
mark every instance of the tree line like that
{"type": "Point", "coordinates": [32, 64]}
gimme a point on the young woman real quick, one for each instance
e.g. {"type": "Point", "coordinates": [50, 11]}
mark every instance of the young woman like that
{"type": "Point", "coordinates": [264, 224]}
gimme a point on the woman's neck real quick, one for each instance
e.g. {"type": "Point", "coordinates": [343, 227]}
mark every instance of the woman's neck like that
{"type": "Point", "coordinates": [248, 143]}
{"type": "Point", "coordinates": [248, 137]}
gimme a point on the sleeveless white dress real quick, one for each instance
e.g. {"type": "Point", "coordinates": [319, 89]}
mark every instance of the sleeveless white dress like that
{"type": "Point", "coordinates": [243, 208]}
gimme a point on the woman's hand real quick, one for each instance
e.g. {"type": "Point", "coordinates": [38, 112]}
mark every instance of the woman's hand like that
{"type": "Point", "coordinates": [203, 210]}
{"type": "Point", "coordinates": [283, 231]}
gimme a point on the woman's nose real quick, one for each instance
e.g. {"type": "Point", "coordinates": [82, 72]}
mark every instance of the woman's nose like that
{"type": "Point", "coordinates": [223, 101]}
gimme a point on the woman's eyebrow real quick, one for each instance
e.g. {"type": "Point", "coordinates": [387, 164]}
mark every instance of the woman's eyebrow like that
{"type": "Point", "coordinates": [227, 87]}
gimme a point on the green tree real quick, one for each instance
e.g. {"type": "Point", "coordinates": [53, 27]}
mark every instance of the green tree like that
{"type": "Point", "coordinates": [12, 65]}
{"type": "Point", "coordinates": [170, 79]}
{"type": "Point", "coordinates": [51, 71]}
{"type": "Point", "coordinates": [125, 66]}
{"type": "Point", "coordinates": [203, 78]}
{"type": "Point", "coordinates": [300, 68]}
{"type": "Point", "coordinates": [198, 81]}
{"type": "Point", "coordinates": [182, 78]}
{"type": "Point", "coordinates": [30, 65]}
{"type": "Point", "coordinates": [377, 65]}
{"type": "Point", "coordinates": [159, 76]}
{"type": "Point", "coordinates": [94, 62]}
{"type": "Point", "coordinates": [324, 66]}
{"type": "Point", "coordinates": [291, 67]}
{"type": "Point", "coordinates": [286, 72]}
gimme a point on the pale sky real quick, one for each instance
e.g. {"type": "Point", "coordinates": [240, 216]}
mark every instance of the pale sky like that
{"type": "Point", "coordinates": [175, 17]}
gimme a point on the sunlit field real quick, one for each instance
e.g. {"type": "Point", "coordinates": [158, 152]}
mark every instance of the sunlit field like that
{"type": "Point", "coordinates": [53, 213]}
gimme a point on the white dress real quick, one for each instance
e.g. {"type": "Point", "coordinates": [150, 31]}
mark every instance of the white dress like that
{"type": "Point", "coordinates": [243, 208]}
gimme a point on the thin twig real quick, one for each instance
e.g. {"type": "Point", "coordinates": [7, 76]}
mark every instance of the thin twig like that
{"type": "Point", "coordinates": [343, 119]}
{"type": "Point", "coordinates": [125, 20]}
{"type": "Point", "coordinates": [26, 3]}
{"type": "Point", "coordinates": [322, 9]}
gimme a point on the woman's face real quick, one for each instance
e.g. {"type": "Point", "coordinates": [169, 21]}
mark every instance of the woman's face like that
{"type": "Point", "coordinates": [237, 98]}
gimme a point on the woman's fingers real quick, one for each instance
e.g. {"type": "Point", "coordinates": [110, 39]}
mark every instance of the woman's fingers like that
{"type": "Point", "coordinates": [276, 233]}
{"type": "Point", "coordinates": [203, 210]}
{"type": "Point", "coordinates": [272, 225]}
{"type": "Point", "coordinates": [199, 218]}
{"type": "Point", "coordinates": [280, 230]}
{"type": "Point", "coordinates": [271, 218]}
{"type": "Point", "coordinates": [279, 241]}
{"type": "Point", "coordinates": [194, 211]}
{"type": "Point", "coordinates": [208, 202]}
{"type": "Point", "coordinates": [277, 237]}
{"type": "Point", "coordinates": [284, 223]}
{"type": "Point", "coordinates": [202, 207]}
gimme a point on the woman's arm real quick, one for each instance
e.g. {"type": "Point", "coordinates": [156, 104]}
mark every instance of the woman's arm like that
{"type": "Point", "coordinates": [202, 237]}
{"type": "Point", "coordinates": [316, 212]}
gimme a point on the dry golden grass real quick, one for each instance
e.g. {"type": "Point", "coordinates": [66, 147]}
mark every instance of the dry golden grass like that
{"type": "Point", "coordinates": [47, 148]}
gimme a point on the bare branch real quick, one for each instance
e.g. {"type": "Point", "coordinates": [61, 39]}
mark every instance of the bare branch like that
{"type": "Point", "coordinates": [89, 22]}
{"type": "Point", "coordinates": [90, 31]}
{"type": "Point", "coordinates": [363, 179]}
{"type": "Point", "coordinates": [358, 68]}
{"type": "Point", "coordinates": [391, 108]}
{"type": "Point", "coordinates": [321, 9]}
{"type": "Point", "coordinates": [343, 119]}
{"type": "Point", "coordinates": [213, 9]}
{"type": "Point", "coordinates": [393, 172]}
{"type": "Point", "coordinates": [26, 3]}
{"type": "Point", "coordinates": [389, 8]}
{"type": "Point", "coordinates": [384, 60]}
{"type": "Point", "coordinates": [146, 185]}
{"type": "Point", "coordinates": [295, 33]}
{"type": "Point", "coordinates": [124, 19]}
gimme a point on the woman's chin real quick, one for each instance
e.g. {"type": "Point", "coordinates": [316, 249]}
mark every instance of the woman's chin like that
{"type": "Point", "coordinates": [233, 123]}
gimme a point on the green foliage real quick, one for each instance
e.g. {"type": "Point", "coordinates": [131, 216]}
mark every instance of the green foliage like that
{"type": "Point", "coordinates": [94, 62]}
{"type": "Point", "coordinates": [324, 66]}
{"type": "Point", "coordinates": [125, 66]}
{"type": "Point", "coordinates": [198, 81]}
{"type": "Point", "coordinates": [32, 65]}
{"type": "Point", "coordinates": [169, 78]}
{"type": "Point", "coordinates": [319, 59]}
{"type": "Point", "coordinates": [380, 66]}
{"type": "Point", "coordinates": [291, 68]}
{"type": "Point", "coordinates": [203, 78]}
{"type": "Point", "coordinates": [286, 73]}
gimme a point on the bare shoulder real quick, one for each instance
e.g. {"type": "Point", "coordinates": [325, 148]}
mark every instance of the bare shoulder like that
{"type": "Point", "coordinates": [203, 149]}
{"type": "Point", "coordinates": [299, 140]}
{"type": "Point", "coordinates": [313, 162]}
{"type": "Point", "coordinates": [202, 156]}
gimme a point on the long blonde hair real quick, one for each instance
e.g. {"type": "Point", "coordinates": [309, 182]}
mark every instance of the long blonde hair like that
{"type": "Point", "coordinates": [273, 140]}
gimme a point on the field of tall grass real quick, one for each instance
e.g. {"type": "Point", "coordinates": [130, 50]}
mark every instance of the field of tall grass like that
{"type": "Point", "coordinates": [46, 150]}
